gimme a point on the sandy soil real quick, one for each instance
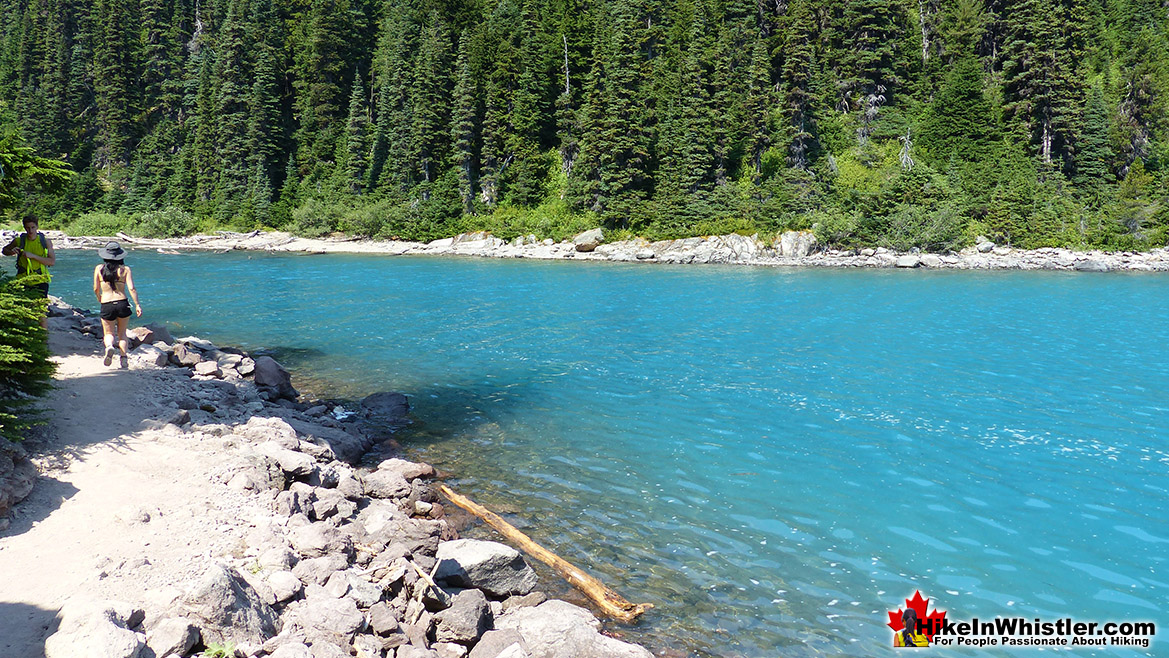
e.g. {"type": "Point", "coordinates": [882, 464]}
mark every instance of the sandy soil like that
{"type": "Point", "coordinates": [125, 507]}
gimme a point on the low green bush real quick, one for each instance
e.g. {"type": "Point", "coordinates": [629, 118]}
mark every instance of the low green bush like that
{"type": "Point", "coordinates": [98, 224]}
{"type": "Point", "coordinates": [170, 222]}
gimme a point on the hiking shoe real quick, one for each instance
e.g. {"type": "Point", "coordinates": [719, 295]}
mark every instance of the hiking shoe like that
{"type": "Point", "coordinates": [109, 356]}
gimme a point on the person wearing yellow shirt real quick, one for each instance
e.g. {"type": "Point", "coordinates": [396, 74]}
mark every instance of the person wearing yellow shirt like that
{"type": "Point", "coordinates": [34, 256]}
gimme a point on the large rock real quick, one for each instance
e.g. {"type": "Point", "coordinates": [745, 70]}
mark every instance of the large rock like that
{"type": "Point", "coordinates": [495, 643]}
{"type": "Point", "coordinates": [149, 355]}
{"type": "Point", "coordinates": [1092, 266]}
{"type": "Point", "coordinates": [97, 630]}
{"type": "Point", "coordinates": [386, 484]}
{"type": "Point", "coordinates": [228, 609]}
{"type": "Point", "coordinates": [272, 377]}
{"type": "Point", "coordinates": [173, 636]}
{"type": "Point", "coordinates": [182, 355]}
{"type": "Point", "coordinates": [496, 569]}
{"type": "Point", "coordinates": [319, 539]}
{"type": "Point", "coordinates": [556, 629]}
{"type": "Point", "coordinates": [407, 469]}
{"type": "Point", "coordinates": [17, 475]}
{"type": "Point", "coordinates": [294, 464]}
{"type": "Point", "coordinates": [796, 244]}
{"type": "Point", "coordinates": [589, 240]}
{"type": "Point", "coordinates": [386, 407]}
{"type": "Point", "coordinates": [908, 260]}
{"type": "Point", "coordinates": [333, 620]}
{"type": "Point", "coordinates": [345, 446]}
{"type": "Point", "coordinates": [466, 620]}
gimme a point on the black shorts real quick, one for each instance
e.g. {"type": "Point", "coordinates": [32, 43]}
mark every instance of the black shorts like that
{"type": "Point", "coordinates": [111, 311]}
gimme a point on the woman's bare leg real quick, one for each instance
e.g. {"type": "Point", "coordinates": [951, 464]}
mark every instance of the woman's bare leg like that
{"type": "Point", "coordinates": [109, 334]}
{"type": "Point", "coordinates": [123, 344]}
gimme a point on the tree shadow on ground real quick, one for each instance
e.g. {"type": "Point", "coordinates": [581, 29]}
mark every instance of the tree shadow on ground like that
{"type": "Point", "coordinates": [23, 627]}
{"type": "Point", "coordinates": [47, 495]}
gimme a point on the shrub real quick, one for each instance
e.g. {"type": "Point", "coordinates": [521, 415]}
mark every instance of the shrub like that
{"type": "Point", "coordinates": [315, 219]}
{"type": "Point", "coordinates": [170, 222]}
{"type": "Point", "coordinates": [98, 224]}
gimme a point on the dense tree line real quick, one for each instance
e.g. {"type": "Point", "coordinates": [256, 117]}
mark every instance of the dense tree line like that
{"type": "Point", "coordinates": [896, 122]}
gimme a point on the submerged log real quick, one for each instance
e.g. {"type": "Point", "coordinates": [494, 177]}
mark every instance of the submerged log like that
{"type": "Point", "coordinates": [610, 602]}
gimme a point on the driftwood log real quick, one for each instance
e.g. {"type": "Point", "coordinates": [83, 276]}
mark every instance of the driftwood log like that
{"type": "Point", "coordinates": [610, 602]}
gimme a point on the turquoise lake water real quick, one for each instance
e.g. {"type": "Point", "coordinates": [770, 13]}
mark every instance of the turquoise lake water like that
{"type": "Point", "coordinates": [773, 458]}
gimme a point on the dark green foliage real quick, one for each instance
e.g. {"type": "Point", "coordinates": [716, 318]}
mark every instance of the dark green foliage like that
{"type": "Point", "coordinates": [879, 122]}
{"type": "Point", "coordinates": [25, 368]}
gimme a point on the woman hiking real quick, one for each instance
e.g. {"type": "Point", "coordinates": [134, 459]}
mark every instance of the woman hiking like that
{"type": "Point", "coordinates": [111, 281]}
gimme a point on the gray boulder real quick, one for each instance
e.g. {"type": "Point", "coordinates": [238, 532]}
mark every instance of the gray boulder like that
{"type": "Point", "coordinates": [411, 651]}
{"type": "Point", "coordinates": [498, 570]}
{"type": "Point", "coordinates": [795, 244]}
{"type": "Point", "coordinates": [173, 635]}
{"type": "Point", "coordinates": [292, 650]}
{"type": "Point", "coordinates": [100, 629]}
{"type": "Point", "coordinates": [344, 446]}
{"type": "Point", "coordinates": [1092, 266]}
{"type": "Point", "coordinates": [389, 409]}
{"type": "Point", "coordinates": [149, 355]}
{"type": "Point", "coordinates": [589, 240]}
{"type": "Point", "coordinates": [294, 464]}
{"type": "Point", "coordinates": [17, 475]}
{"type": "Point", "coordinates": [494, 643]}
{"type": "Point", "coordinates": [385, 484]}
{"type": "Point", "coordinates": [466, 620]}
{"type": "Point", "coordinates": [908, 260]}
{"type": "Point", "coordinates": [319, 539]}
{"type": "Point", "coordinates": [158, 334]}
{"type": "Point", "coordinates": [228, 609]}
{"type": "Point", "coordinates": [182, 355]}
{"type": "Point", "coordinates": [272, 377]}
{"type": "Point", "coordinates": [408, 470]}
{"type": "Point", "coordinates": [285, 586]}
{"type": "Point", "coordinates": [207, 368]}
{"type": "Point", "coordinates": [334, 620]}
{"type": "Point", "coordinates": [317, 570]}
{"type": "Point", "coordinates": [556, 629]}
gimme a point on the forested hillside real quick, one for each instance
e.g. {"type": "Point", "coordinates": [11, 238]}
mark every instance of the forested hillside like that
{"type": "Point", "coordinates": [893, 122]}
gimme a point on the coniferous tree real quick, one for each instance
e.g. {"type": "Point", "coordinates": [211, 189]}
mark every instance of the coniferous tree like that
{"type": "Point", "coordinates": [357, 138]}
{"type": "Point", "coordinates": [463, 125]}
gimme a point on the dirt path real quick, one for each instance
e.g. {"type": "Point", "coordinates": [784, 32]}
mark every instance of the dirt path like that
{"type": "Point", "coordinates": [123, 507]}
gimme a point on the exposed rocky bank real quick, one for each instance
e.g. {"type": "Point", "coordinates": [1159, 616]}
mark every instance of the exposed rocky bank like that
{"type": "Point", "coordinates": [188, 502]}
{"type": "Point", "coordinates": [791, 249]}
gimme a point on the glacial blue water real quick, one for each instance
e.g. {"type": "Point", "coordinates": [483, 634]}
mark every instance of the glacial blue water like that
{"type": "Point", "coordinates": [773, 458]}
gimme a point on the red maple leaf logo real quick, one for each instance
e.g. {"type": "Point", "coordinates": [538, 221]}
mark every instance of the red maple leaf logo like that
{"type": "Point", "coordinates": [930, 623]}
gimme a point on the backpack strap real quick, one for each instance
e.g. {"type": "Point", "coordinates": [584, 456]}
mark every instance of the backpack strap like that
{"type": "Point", "coordinates": [44, 243]}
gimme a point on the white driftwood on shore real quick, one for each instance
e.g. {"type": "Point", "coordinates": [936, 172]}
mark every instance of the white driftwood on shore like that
{"type": "Point", "coordinates": [610, 602]}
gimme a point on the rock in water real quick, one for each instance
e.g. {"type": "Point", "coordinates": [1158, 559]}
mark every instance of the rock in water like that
{"type": "Point", "coordinates": [387, 407]}
{"type": "Point", "coordinates": [272, 376]}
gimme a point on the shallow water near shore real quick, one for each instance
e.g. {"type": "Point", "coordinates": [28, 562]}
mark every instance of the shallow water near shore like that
{"type": "Point", "coordinates": [774, 458]}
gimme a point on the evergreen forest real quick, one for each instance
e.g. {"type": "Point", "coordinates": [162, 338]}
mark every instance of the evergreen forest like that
{"type": "Point", "coordinates": [898, 123]}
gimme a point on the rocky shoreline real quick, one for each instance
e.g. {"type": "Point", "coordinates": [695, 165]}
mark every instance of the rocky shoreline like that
{"type": "Point", "coordinates": [791, 249]}
{"type": "Point", "coordinates": [351, 551]}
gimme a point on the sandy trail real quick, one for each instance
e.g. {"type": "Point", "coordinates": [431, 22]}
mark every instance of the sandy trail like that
{"type": "Point", "coordinates": [121, 510]}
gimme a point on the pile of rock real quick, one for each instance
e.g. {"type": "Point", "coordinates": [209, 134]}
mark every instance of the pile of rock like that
{"type": "Point", "coordinates": [345, 561]}
{"type": "Point", "coordinates": [350, 563]}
